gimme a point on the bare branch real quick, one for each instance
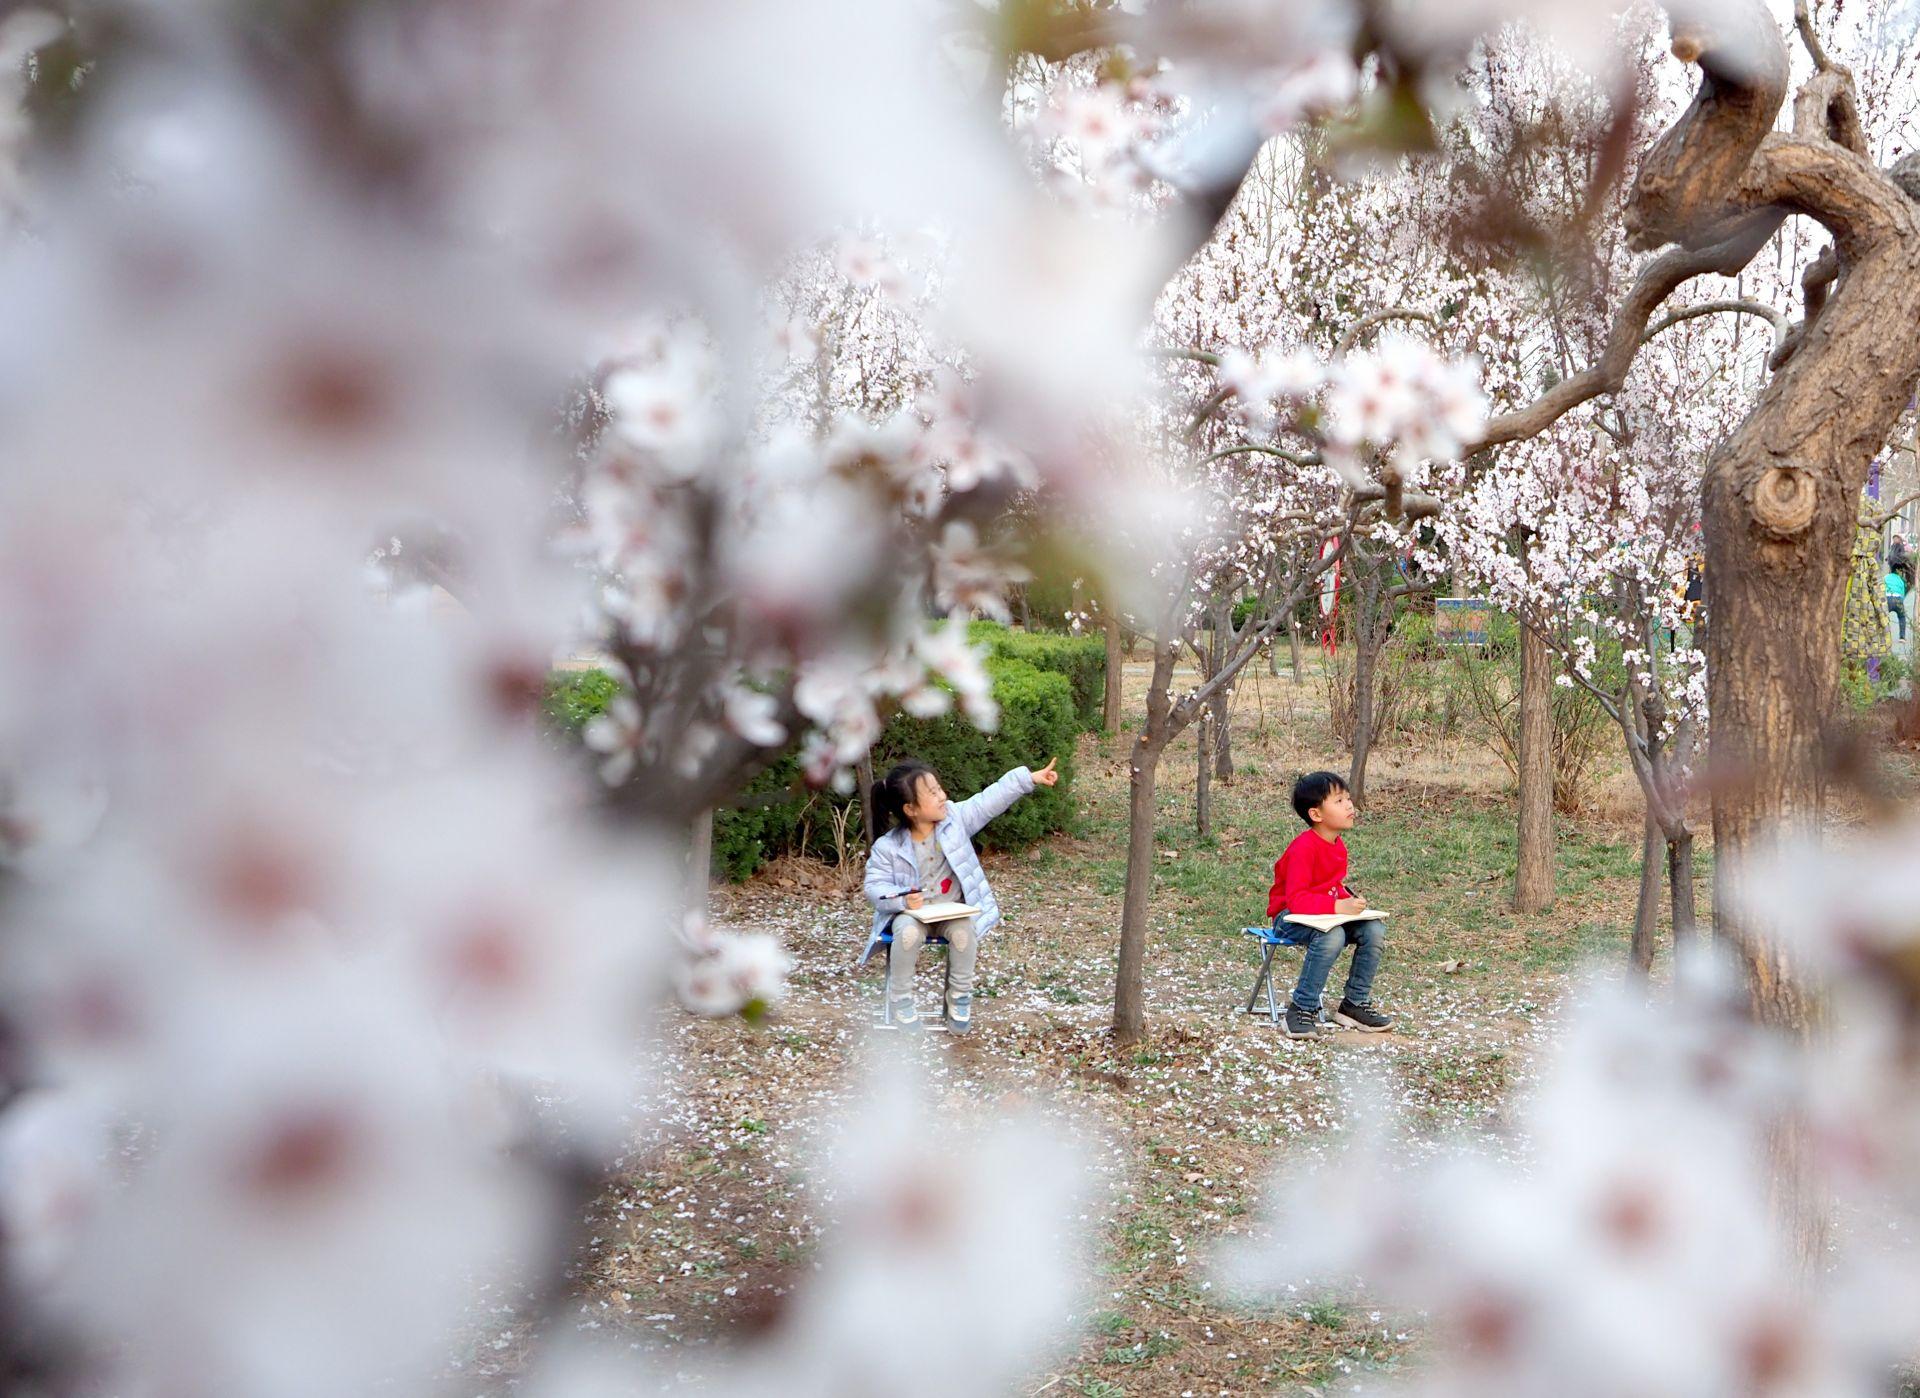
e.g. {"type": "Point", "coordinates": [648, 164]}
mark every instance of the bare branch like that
{"type": "Point", "coordinates": [1254, 637]}
{"type": "Point", "coordinates": [1413, 503]}
{"type": "Point", "coordinates": [1880, 518]}
{"type": "Point", "coordinates": [1359, 329]}
{"type": "Point", "coordinates": [1311, 458]}
{"type": "Point", "coordinates": [1656, 282]}
{"type": "Point", "coordinates": [1707, 308]}
{"type": "Point", "coordinates": [1803, 21]}
{"type": "Point", "coordinates": [1215, 401]}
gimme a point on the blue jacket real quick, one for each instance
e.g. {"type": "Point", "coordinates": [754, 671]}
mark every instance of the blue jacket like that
{"type": "Point", "coordinates": [891, 873]}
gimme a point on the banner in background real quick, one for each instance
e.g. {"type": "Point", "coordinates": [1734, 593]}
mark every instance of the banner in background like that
{"type": "Point", "coordinates": [1462, 621]}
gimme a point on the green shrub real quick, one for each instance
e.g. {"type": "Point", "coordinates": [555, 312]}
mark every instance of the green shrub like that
{"type": "Point", "coordinates": [1037, 721]}
{"type": "Point", "coordinates": [574, 696]}
{"type": "Point", "coordinates": [1082, 659]}
{"type": "Point", "coordinates": [1306, 614]}
{"type": "Point", "coordinates": [776, 813]}
{"type": "Point", "coordinates": [1863, 692]}
{"type": "Point", "coordinates": [1490, 684]}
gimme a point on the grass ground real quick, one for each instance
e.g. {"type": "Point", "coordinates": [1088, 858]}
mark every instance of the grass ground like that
{"type": "Point", "coordinates": [715, 1219]}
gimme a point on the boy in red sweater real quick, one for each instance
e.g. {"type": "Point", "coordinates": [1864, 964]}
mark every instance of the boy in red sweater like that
{"type": "Point", "coordinates": [1310, 877]}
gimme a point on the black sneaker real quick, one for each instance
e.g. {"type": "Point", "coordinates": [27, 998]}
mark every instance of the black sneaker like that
{"type": "Point", "coordinates": [1302, 1024]}
{"type": "Point", "coordinates": [1365, 1018]}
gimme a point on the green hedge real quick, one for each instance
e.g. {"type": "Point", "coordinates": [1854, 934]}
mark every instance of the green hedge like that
{"type": "Point", "coordinates": [1082, 659]}
{"type": "Point", "coordinates": [777, 813]}
{"type": "Point", "coordinates": [1037, 721]}
{"type": "Point", "coordinates": [574, 696]}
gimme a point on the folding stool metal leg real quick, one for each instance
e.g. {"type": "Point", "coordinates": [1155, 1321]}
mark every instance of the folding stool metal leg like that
{"type": "Point", "coordinates": [1265, 981]}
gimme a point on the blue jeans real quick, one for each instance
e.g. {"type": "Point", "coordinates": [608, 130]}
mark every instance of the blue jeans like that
{"type": "Point", "coordinates": [1325, 948]}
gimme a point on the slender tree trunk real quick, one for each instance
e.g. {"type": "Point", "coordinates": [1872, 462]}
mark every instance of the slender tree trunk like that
{"type": "Point", "coordinates": [1533, 872]}
{"type": "Point", "coordinates": [1143, 775]}
{"type": "Point", "coordinates": [1129, 992]}
{"type": "Point", "coordinates": [700, 863]}
{"type": "Point", "coordinates": [863, 777]}
{"type": "Point", "coordinates": [1222, 713]}
{"type": "Point", "coordinates": [1215, 738]}
{"type": "Point", "coordinates": [1362, 719]}
{"type": "Point", "coordinates": [1116, 676]}
{"type": "Point", "coordinates": [1680, 886]}
{"type": "Point", "coordinates": [1203, 776]}
{"type": "Point", "coordinates": [1293, 644]}
{"type": "Point", "coordinates": [1646, 912]}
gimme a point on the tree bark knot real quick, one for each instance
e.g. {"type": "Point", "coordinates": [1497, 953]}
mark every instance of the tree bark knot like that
{"type": "Point", "coordinates": [1784, 500]}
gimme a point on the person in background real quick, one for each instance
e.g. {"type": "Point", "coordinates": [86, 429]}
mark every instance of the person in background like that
{"type": "Point", "coordinates": [1900, 558]}
{"type": "Point", "coordinates": [1310, 877]}
{"type": "Point", "coordinates": [923, 853]}
{"type": "Point", "coordinates": [1897, 599]}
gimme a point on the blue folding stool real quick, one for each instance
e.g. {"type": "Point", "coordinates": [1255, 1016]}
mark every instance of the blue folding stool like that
{"type": "Point", "coordinates": [885, 944]}
{"type": "Point", "coordinates": [1281, 934]}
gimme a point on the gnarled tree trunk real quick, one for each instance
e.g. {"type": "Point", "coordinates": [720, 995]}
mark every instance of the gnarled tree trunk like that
{"type": "Point", "coordinates": [1781, 500]}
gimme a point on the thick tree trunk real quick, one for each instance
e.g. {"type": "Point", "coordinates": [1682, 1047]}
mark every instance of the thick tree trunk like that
{"type": "Point", "coordinates": [1533, 871]}
{"type": "Point", "coordinates": [1780, 505]}
{"type": "Point", "coordinates": [1772, 681]}
{"type": "Point", "coordinates": [1129, 991]}
{"type": "Point", "coordinates": [1116, 676]}
{"type": "Point", "coordinates": [1680, 886]}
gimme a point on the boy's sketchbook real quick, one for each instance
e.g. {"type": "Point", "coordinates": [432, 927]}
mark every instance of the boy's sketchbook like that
{"type": "Point", "coordinates": [943, 912]}
{"type": "Point", "coordinates": [1323, 922]}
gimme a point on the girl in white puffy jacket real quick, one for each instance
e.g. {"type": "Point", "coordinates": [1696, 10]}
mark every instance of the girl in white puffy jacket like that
{"type": "Point", "coordinates": [923, 853]}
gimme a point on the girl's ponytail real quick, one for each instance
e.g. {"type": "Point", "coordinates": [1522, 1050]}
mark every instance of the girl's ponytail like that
{"type": "Point", "coordinates": [892, 792]}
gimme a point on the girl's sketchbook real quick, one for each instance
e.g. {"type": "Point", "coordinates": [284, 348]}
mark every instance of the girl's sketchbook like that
{"type": "Point", "coordinates": [942, 912]}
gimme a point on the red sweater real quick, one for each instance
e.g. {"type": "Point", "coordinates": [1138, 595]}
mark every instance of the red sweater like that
{"type": "Point", "coordinates": [1309, 875]}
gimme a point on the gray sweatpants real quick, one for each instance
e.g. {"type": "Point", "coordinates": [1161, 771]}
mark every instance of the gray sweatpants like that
{"type": "Point", "coordinates": [910, 934]}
